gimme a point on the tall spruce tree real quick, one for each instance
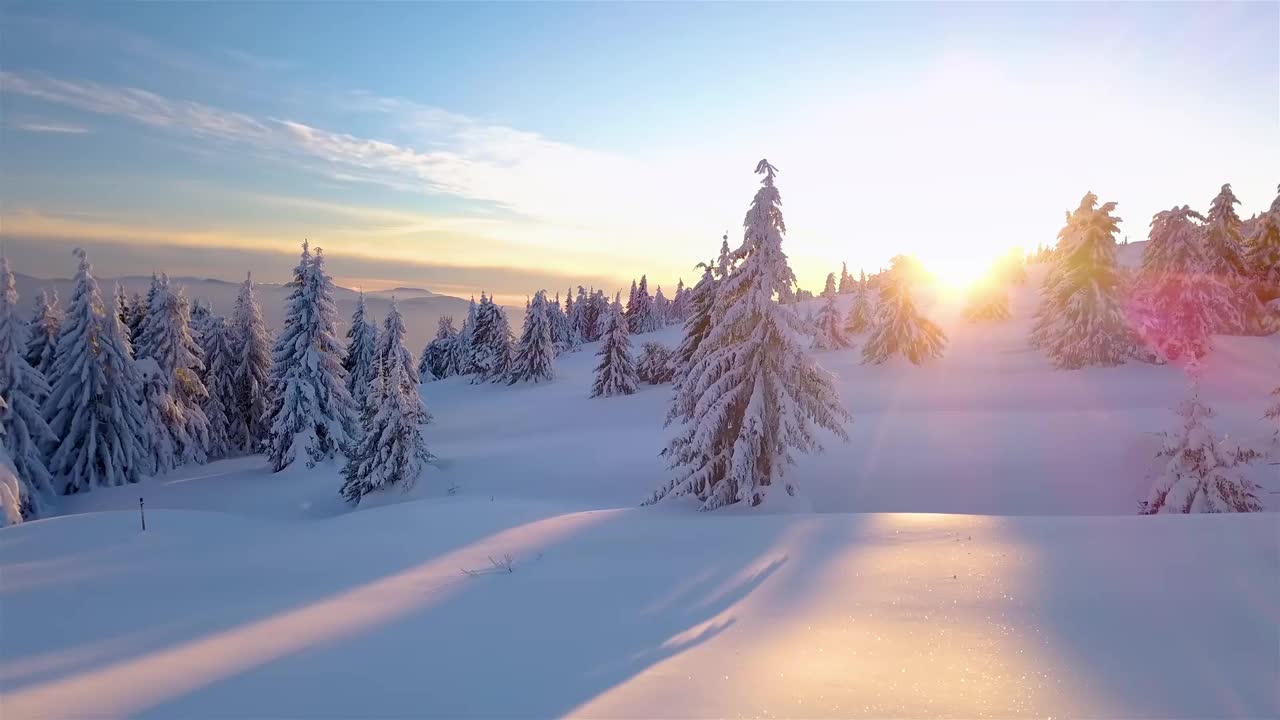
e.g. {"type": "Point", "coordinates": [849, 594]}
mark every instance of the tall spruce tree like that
{"type": "Point", "coordinates": [898, 328]}
{"type": "Point", "coordinates": [536, 354]}
{"type": "Point", "coordinates": [847, 283]}
{"type": "Point", "coordinates": [14, 493]}
{"type": "Point", "coordinates": [251, 347]}
{"type": "Point", "coordinates": [166, 338]}
{"type": "Point", "coordinates": [640, 315]}
{"type": "Point", "coordinates": [360, 361]}
{"type": "Point", "coordinates": [94, 406]}
{"type": "Point", "coordinates": [829, 290]}
{"type": "Point", "coordinates": [676, 313]}
{"type": "Point", "coordinates": [1081, 319]}
{"type": "Point", "coordinates": [220, 382]}
{"type": "Point", "coordinates": [391, 450]}
{"type": "Point", "coordinates": [1225, 259]}
{"type": "Point", "coordinates": [697, 323]}
{"type": "Point", "coordinates": [399, 373]}
{"type": "Point", "coordinates": [42, 332]}
{"type": "Point", "coordinates": [830, 333]}
{"type": "Point", "coordinates": [491, 342]}
{"type": "Point", "coordinates": [437, 359]}
{"type": "Point", "coordinates": [616, 372]}
{"type": "Point", "coordinates": [661, 309]}
{"type": "Point", "coordinates": [22, 390]}
{"type": "Point", "coordinates": [1202, 474]}
{"type": "Point", "coordinates": [758, 396]}
{"type": "Point", "coordinates": [859, 317]}
{"type": "Point", "coordinates": [1178, 303]}
{"type": "Point", "coordinates": [1264, 268]}
{"type": "Point", "coordinates": [311, 408]}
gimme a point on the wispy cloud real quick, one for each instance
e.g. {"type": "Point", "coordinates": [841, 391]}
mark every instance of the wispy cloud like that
{"type": "Point", "coordinates": [50, 127]}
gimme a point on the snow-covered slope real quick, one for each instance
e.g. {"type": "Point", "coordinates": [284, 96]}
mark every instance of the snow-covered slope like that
{"type": "Point", "coordinates": [638, 613]}
{"type": "Point", "coordinates": [260, 595]}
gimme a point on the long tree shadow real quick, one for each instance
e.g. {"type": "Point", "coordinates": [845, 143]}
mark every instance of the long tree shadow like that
{"type": "Point", "coordinates": [589, 604]}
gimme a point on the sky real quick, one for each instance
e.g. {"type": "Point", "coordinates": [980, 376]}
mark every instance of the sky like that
{"type": "Point", "coordinates": [512, 147]}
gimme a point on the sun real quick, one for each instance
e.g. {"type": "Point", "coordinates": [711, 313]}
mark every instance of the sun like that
{"type": "Point", "coordinates": [958, 273]}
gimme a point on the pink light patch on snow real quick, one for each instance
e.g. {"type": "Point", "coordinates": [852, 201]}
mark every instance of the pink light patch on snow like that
{"type": "Point", "coordinates": [130, 687]}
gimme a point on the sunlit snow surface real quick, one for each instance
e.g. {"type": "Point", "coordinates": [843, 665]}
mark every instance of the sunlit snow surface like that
{"type": "Point", "coordinates": [639, 613]}
{"type": "Point", "coordinates": [255, 595]}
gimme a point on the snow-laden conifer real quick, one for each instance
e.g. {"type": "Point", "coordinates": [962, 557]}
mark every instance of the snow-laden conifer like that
{"type": "Point", "coordinates": [362, 352]}
{"type": "Point", "coordinates": [898, 327]}
{"type": "Point", "coordinates": [1225, 259]}
{"type": "Point", "coordinates": [697, 311]}
{"type": "Point", "coordinates": [1264, 270]}
{"type": "Point", "coordinates": [535, 356]}
{"type": "Point", "coordinates": [1081, 319]}
{"type": "Point", "coordinates": [829, 325]}
{"type": "Point", "coordinates": [167, 338]}
{"type": "Point", "coordinates": [220, 383]}
{"type": "Point", "coordinates": [42, 332]}
{"type": "Point", "coordinates": [250, 344]}
{"type": "Point", "coordinates": [661, 308]}
{"type": "Point", "coordinates": [391, 450]}
{"type": "Point", "coordinates": [640, 314]}
{"type": "Point", "coordinates": [14, 493]}
{"type": "Point", "coordinates": [490, 342]}
{"type": "Point", "coordinates": [398, 371]}
{"type": "Point", "coordinates": [616, 372]}
{"type": "Point", "coordinates": [94, 406]}
{"type": "Point", "coordinates": [311, 409]}
{"type": "Point", "coordinates": [437, 359]}
{"type": "Point", "coordinates": [654, 364]}
{"type": "Point", "coordinates": [829, 290]}
{"type": "Point", "coordinates": [1178, 303]}
{"type": "Point", "coordinates": [1201, 473]}
{"type": "Point", "coordinates": [847, 283]}
{"type": "Point", "coordinates": [22, 390]}
{"type": "Point", "coordinates": [858, 320]}
{"type": "Point", "coordinates": [757, 396]}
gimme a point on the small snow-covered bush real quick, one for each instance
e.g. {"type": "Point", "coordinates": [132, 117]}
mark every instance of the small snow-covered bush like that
{"type": "Point", "coordinates": [655, 364]}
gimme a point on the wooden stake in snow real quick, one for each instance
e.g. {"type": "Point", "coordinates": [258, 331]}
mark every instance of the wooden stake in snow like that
{"type": "Point", "coordinates": [143, 515]}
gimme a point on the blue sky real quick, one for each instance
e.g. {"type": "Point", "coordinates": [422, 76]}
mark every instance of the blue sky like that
{"type": "Point", "coordinates": [558, 143]}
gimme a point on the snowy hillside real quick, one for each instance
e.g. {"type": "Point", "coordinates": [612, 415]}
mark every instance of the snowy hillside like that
{"type": "Point", "coordinates": [421, 308]}
{"type": "Point", "coordinates": [1040, 593]}
{"type": "Point", "coordinates": [637, 613]}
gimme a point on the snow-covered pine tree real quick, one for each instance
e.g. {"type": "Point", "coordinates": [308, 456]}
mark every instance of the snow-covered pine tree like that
{"type": "Point", "coordinates": [491, 342]}
{"type": "Point", "coordinates": [137, 316]}
{"type": "Point", "coordinates": [859, 317]}
{"type": "Point", "coordinates": [250, 344]}
{"type": "Point", "coordinates": [846, 280]}
{"type": "Point", "coordinates": [597, 315]}
{"type": "Point", "coordinates": [1081, 319]}
{"type": "Point", "coordinates": [661, 309]}
{"type": "Point", "coordinates": [697, 323]}
{"type": "Point", "coordinates": [1264, 268]}
{"type": "Point", "coordinates": [464, 348]}
{"type": "Point", "coordinates": [22, 390]}
{"type": "Point", "coordinates": [536, 354]}
{"type": "Point", "coordinates": [578, 318]}
{"type": "Point", "coordinates": [829, 290]}
{"type": "Point", "coordinates": [162, 418]}
{"type": "Point", "coordinates": [398, 371]}
{"type": "Point", "coordinates": [201, 315]}
{"type": "Point", "coordinates": [558, 325]}
{"type": "Point", "coordinates": [1201, 474]}
{"type": "Point", "coordinates": [1178, 304]}
{"type": "Point", "coordinates": [654, 364]}
{"type": "Point", "coordinates": [122, 304]}
{"type": "Point", "coordinates": [829, 325]}
{"type": "Point", "coordinates": [631, 303]}
{"type": "Point", "coordinates": [675, 313]}
{"type": "Point", "coordinates": [220, 381]}
{"type": "Point", "coordinates": [94, 406]}
{"type": "Point", "coordinates": [14, 493]}
{"type": "Point", "coordinates": [757, 396]}
{"type": "Point", "coordinates": [898, 328]}
{"type": "Point", "coordinates": [438, 357]}
{"type": "Point", "coordinates": [640, 314]}
{"type": "Point", "coordinates": [391, 449]}
{"type": "Point", "coordinates": [42, 332]}
{"type": "Point", "coordinates": [166, 337]}
{"type": "Point", "coordinates": [362, 351]}
{"type": "Point", "coordinates": [616, 373]}
{"type": "Point", "coordinates": [988, 300]}
{"type": "Point", "coordinates": [1225, 260]}
{"type": "Point", "coordinates": [311, 408]}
